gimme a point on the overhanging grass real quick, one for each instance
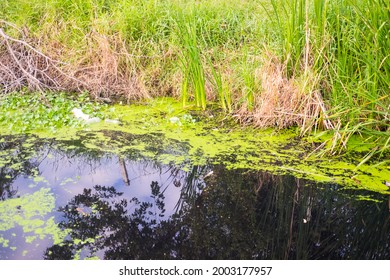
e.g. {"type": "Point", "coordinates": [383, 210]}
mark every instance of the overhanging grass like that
{"type": "Point", "coordinates": [333, 58]}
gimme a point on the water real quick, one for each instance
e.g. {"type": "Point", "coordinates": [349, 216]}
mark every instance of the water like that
{"type": "Point", "coordinates": [60, 200]}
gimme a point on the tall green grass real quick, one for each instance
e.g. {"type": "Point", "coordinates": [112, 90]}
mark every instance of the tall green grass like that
{"type": "Point", "coordinates": [347, 43]}
{"type": "Point", "coordinates": [191, 63]}
{"type": "Point", "coordinates": [358, 63]}
{"type": "Point", "coordinates": [221, 87]}
{"type": "Point", "coordinates": [206, 51]}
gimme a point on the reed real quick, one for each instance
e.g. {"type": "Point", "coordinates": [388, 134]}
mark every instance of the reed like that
{"type": "Point", "coordinates": [345, 44]}
{"type": "Point", "coordinates": [192, 64]}
{"type": "Point", "coordinates": [358, 67]}
{"type": "Point", "coordinates": [221, 87]}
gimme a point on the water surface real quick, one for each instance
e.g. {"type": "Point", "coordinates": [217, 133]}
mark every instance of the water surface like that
{"type": "Point", "coordinates": [61, 200]}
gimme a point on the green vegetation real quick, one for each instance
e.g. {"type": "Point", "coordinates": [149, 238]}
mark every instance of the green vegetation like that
{"type": "Point", "coordinates": [341, 50]}
{"type": "Point", "coordinates": [49, 112]}
{"type": "Point", "coordinates": [315, 64]}
{"type": "Point", "coordinates": [162, 131]}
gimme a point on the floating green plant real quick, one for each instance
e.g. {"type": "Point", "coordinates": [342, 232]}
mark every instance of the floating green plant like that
{"type": "Point", "coordinates": [50, 111]}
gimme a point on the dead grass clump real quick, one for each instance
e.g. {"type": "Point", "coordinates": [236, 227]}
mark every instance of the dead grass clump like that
{"type": "Point", "coordinates": [22, 65]}
{"type": "Point", "coordinates": [285, 102]}
{"type": "Point", "coordinates": [105, 69]}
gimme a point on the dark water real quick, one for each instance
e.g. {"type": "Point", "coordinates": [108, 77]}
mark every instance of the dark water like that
{"type": "Point", "coordinates": [131, 207]}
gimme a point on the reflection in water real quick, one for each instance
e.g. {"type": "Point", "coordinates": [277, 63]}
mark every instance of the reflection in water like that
{"type": "Point", "coordinates": [208, 212]}
{"type": "Point", "coordinates": [16, 155]}
{"type": "Point", "coordinates": [237, 216]}
{"type": "Point", "coordinates": [105, 223]}
{"type": "Point", "coordinates": [124, 173]}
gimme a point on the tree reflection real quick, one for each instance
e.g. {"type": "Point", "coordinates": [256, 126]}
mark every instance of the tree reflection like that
{"type": "Point", "coordinates": [16, 163]}
{"type": "Point", "coordinates": [237, 215]}
{"type": "Point", "coordinates": [99, 219]}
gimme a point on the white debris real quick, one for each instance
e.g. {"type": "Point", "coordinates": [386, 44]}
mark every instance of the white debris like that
{"type": "Point", "coordinates": [79, 114]}
{"type": "Point", "coordinates": [112, 121]}
{"type": "Point", "coordinates": [175, 120]}
{"type": "Point", "coordinates": [208, 174]}
{"type": "Point", "coordinates": [93, 120]}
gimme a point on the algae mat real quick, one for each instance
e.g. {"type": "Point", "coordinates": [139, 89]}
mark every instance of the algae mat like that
{"type": "Point", "coordinates": [163, 131]}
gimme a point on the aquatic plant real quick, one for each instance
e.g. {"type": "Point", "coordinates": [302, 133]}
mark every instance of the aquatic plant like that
{"type": "Point", "coordinates": [49, 111]}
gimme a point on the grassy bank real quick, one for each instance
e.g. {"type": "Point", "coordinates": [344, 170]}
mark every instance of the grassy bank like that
{"type": "Point", "coordinates": [320, 65]}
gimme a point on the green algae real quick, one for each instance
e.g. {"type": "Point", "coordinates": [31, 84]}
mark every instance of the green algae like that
{"type": "Point", "coordinates": [67, 181]}
{"type": "Point", "coordinates": [40, 179]}
{"type": "Point", "coordinates": [51, 229]}
{"type": "Point", "coordinates": [162, 130]}
{"type": "Point", "coordinates": [280, 152]}
{"type": "Point", "coordinates": [30, 213]}
{"type": "Point", "coordinates": [4, 242]}
{"type": "Point", "coordinates": [22, 210]}
{"type": "Point", "coordinates": [93, 258]}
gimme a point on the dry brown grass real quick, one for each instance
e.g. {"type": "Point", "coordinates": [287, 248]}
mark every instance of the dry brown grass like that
{"type": "Point", "coordinates": [104, 69]}
{"type": "Point", "coordinates": [285, 102]}
{"type": "Point", "coordinates": [22, 65]}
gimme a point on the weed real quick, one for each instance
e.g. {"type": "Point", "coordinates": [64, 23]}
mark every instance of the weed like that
{"type": "Point", "coordinates": [34, 111]}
